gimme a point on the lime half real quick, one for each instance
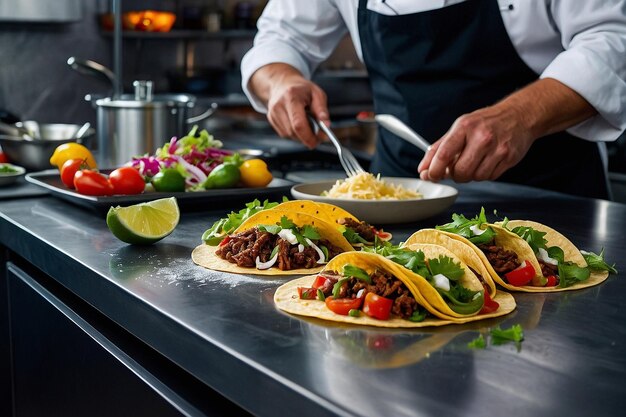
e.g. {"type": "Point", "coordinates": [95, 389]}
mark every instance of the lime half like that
{"type": "Point", "coordinates": [144, 223]}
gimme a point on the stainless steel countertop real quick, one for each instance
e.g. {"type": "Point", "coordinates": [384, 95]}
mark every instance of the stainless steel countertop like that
{"type": "Point", "coordinates": [225, 330]}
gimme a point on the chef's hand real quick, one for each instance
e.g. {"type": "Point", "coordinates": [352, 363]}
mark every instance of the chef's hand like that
{"type": "Point", "coordinates": [483, 144]}
{"type": "Point", "coordinates": [288, 95]}
{"type": "Point", "coordinates": [479, 146]}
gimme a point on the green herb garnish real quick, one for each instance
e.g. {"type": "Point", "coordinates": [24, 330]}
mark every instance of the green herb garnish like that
{"type": "Point", "coordinates": [501, 336]}
{"type": "Point", "coordinates": [356, 272]}
{"type": "Point", "coordinates": [597, 262]}
{"type": "Point", "coordinates": [462, 226]}
{"type": "Point", "coordinates": [477, 343]}
{"type": "Point", "coordinates": [225, 226]}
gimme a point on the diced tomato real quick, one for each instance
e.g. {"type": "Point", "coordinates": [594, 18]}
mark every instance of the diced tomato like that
{"type": "Point", "coordinates": [343, 305]}
{"type": "Point", "coordinates": [552, 281]}
{"type": "Point", "coordinates": [3, 158]}
{"type": "Point", "coordinates": [225, 241]}
{"type": "Point", "coordinates": [377, 306]}
{"type": "Point", "coordinates": [522, 275]}
{"type": "Point", "coordinates": [319, 282]}
{"type": "Point", "coordinates": [490, 305]}
{"type": "Point", "coordinates": [307, 293]}
{"type": "Point", "coordinates": [382, 235]}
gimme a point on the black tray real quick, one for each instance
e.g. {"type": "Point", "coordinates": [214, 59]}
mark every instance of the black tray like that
{"type": "Point", "coordinates": [189, 201]}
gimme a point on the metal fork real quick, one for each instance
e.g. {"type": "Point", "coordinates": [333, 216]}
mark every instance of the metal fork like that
{"type": "Point", "coordinates": [348, 161]}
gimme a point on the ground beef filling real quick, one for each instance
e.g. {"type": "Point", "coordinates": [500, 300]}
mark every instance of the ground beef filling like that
{"type": "Point", "coordinates": [364, 229]}
{"type": "Point", "coordinates": [243, 248]}
{"type": "Point", "coordinates": [503, 261]}
{"type": "Point", "coordinates": [548, 269]}
{"type": "Point", "coordinates": [383, 284]}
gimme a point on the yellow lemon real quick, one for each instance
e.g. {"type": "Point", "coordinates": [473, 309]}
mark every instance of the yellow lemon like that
{"type": "Point", "coordinates": [72, 150]}
{"type": "Point", "coordinates": [254, 173]}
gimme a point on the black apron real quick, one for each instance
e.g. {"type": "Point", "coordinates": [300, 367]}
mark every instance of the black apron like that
{"type": "Point", "coordinates": [431, 67]}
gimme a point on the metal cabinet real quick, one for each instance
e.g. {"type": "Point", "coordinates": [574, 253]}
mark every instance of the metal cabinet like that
{"type": "Point", "coordinates": [66, 359]}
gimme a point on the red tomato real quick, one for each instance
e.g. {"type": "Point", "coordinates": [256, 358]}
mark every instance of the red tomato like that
{"type": "Point", "coordinates": [343, 305]}
{"type": "Point", "coordinates": [3, 158]}
{"type": "Point", "coordinates": [382, 235]}
{"type": "Point", "coordinates": [90, 182]}
{"type": "Point", "coordinates": [307, 293]}
{"type": "Point", "coordinates": [377, 306]}
{"type": "Point", "coordinates": [69, 169]}
{"type": "Point", "coordinates": [522, 275]}
{"type": "Point", "coordinates": [552, 281]}
{"type": "Point", "coordinates": [319, 282]}
{"type": "Point", "coordinates": [490, 305]}
{"type": "Point", "coordinates": [127, 180]}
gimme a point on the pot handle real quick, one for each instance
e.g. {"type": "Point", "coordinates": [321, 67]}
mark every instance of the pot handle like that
{"type": "Point", "coordinates": [212, 109]}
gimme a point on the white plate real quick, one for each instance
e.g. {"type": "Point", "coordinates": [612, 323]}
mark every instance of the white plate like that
{"type": "Point", "coordinates": [436, 198]}
{"type": "Point", "coordinates": [7, 178]}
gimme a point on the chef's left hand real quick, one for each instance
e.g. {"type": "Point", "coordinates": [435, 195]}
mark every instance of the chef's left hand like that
{"type": "Point", "coordinates": [483, 144]}
{"type": "Point", "coordinates": [479, 146]}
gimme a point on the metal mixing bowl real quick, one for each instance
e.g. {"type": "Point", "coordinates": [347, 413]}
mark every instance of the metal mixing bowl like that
{"type": "Point", "coordinates": [34, 155]}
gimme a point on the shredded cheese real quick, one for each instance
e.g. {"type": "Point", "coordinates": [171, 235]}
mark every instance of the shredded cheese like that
{"type": "Point", "coordinates": [366, 186]}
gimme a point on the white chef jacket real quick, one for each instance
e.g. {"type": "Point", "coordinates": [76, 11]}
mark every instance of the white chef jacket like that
{"type": "Point", "coordinates": [581, 43]}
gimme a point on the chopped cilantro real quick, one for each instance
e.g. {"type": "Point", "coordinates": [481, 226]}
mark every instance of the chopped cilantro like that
{"type": "Point", "coordinates": [446, 266]}
{"type": "Point", "coordinates": [597, 262]}
{"type": "Point", "coordinates": [463, 226]}
{"type": "Point", "coordinates": [270, 228]}
{"type": "Point", "coordinates": [356, 272]}
{"type": "Point", "coordinates": [310, 232]}
{"type": "Point", "coordinates": [535, 238]}
{"type": "Point", "coordinates": [353, 237]}
{"type": "Point", "coordinates": [501, 336]}
{"type": "Point", "coordinates": [498, 336]}
{"type": "Point", "coordinates": [225, 226]}
{"type": "Point", "coordinates": [418, 315]}
{"type": "Point", "coordinates": [286, 223]}
{"type": "Point", "coordinates": [570, 274]}
{"type": "Point", "coordinates": [477, 343]}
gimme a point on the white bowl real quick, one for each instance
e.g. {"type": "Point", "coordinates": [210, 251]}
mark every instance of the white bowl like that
{"type": "Point", "coordinates": [436, 198]}
{"type": "Point", "coordinates": [7, 178]}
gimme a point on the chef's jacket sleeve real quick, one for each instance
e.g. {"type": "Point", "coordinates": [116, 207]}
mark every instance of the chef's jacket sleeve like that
{"type": "Point", "coordinates": [302, 37]}
{"type": "Point", "coordinates": [593, 34]}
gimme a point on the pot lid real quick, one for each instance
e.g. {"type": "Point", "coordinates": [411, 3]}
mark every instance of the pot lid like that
{"type": "Point", "coordinates": [143, 98]}
{"type": "Point", "coordinates": [158, 101]}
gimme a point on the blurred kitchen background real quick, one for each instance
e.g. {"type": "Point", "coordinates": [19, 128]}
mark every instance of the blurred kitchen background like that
{"type": "Point", "coordinates": [198, 54]}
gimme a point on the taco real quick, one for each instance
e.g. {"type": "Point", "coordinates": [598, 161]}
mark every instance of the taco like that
{"type": "Point", "coordinates": [368, 289]}
{"type": "Point", "coordinates": [528, 256]}
{"type": "Point", "coordinates": [357, 232]}
{"type": "Point", "coordinates": [461, 249]}
{"type": "Point", "coordinates": [273, 242]}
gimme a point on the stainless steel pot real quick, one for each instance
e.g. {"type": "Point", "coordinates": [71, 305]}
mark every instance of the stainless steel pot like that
{"type": "Point", "coordinates": [138, 124]}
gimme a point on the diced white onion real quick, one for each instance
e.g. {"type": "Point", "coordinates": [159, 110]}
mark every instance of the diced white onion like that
{"type": "Point", "coordinates": [543, 255]}
{"type": "Point", "coordinates": [441, 281]}
{"type": "Point", "coordinates": [360, 293]}
{"type": "Point", "coordinates": [476, 230]}
{"type": "Point", "coordinates": [300, 248]}
{"type": "Point", "coordinates": [322, 259]}
{"type": "Point", "coordinates": [266, 265]}
{"type": "Point", "coordinates": [288, 235]}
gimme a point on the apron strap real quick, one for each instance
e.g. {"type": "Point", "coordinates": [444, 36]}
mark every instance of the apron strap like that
{"type": "Point", "coordinates": [362, 4]}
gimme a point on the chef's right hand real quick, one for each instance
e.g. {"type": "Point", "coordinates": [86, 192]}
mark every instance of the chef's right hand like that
{"type": "Point", "coordinates": [288, 95]}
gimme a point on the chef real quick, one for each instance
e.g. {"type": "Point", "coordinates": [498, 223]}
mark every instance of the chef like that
{"type": "Point", "coordinates": [522, 91]}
